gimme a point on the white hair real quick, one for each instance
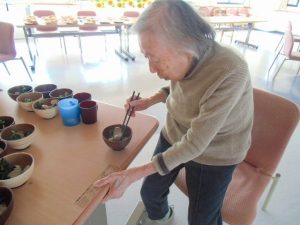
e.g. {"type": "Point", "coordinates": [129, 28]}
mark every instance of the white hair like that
{"type": "Point", "coordinates": [177, 24]}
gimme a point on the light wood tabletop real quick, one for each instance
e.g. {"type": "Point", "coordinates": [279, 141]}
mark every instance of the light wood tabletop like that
{"type": "Point", "coordinates": [67, 162]}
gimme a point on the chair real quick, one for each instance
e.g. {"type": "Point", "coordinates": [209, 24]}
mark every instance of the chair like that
{"type": "Point", "coordinates": [132, 15]}
{"type": "Point", "coordinates": [7, 46]}
{"type": "Point", "coordinates": [281, 41]}
{"type": "Point", "coordinates": [87, 27]}
{"type": "Point", "coordinates": [244, 11]}
{"type": "Point", "coordinates": [275, 119]}
{"type": "Point", "coordinates": [49, 27]}
{"type": "Point", "coordinates": [288, 52]}
{"type": "Point", "coordinates": [232, 11]}
{"type": "Point", "coordinates": [204, 11]}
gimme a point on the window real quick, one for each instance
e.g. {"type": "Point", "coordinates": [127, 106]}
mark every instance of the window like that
{"type": "Point", "coordinates": [293, 3]}
{"type": "Point", "coordinates": [232, 2]}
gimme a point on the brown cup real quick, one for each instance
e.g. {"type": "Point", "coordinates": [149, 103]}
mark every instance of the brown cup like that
{"type": "Point", "coordinates": [83, 96]}
{"type": "Point", "coordinates": [88, 111]}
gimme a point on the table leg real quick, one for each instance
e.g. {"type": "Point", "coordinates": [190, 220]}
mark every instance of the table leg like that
{"type": "Point", "coordinates": [27, 33]}
{"type": "Point", "coordinates": [137, 214]}
{"type": "Point", "coordinates": [98, 217]}
{"type": "Point", "coordinates": [123, 53]}
{"type": "Point", "coordinates": [246, 42]}
{"type": "Point", "coordinates": [120, 52]}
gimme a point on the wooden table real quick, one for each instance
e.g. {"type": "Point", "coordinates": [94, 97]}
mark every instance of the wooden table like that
{"type": "Point", "coordinates": [235, 22]}
{"type": "Point", "coordinates": [67, 162]}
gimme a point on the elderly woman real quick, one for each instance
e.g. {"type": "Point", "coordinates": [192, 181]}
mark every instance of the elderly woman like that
{"type": "Point", "coordinates": [209, 115]}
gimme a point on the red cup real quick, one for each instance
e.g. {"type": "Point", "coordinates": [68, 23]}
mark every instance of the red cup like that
{"type": "Point", "coordinates": [83, 96]}
{"type": "Point", "coordinates": [88, 111]}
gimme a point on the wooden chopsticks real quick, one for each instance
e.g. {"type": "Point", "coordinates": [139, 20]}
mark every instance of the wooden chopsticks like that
{"type": "Point", "coordinates": [129, 112]}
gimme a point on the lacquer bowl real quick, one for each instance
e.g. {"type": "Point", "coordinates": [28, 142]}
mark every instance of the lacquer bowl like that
{"type": "Point", "coordinates": [117, 143]}
{"type": "Point", "coordinates": [15, 91]}
{"type": "Point", "coordinates": [45, 89]}
{"type": "Point", "coordinates": [6, 121]}
{"type": "Point", "coordinates": [7, 199]}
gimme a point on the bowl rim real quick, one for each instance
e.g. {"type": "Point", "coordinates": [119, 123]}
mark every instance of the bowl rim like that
{"type": "Point", "coordinates": [13, 141]}
{"type": "Point", "coordinates": [29, 93]}
{"type": "Point", "coordinates": [44, 99]}
{"type": "Point", "coordinates": [18, 86]}
{"type": "Point", "coordinates": [20, 154]}
{"type": "Point", "coordinates": [113, 125]}
{"type": "Point", "coordinates": [4, 151]}
{"type": "Point", "coordinates": [45, 85]}
{"type": "Point", "coordinates": [11, 196]}
{"type": "Point", "coordinates": [10, 118]}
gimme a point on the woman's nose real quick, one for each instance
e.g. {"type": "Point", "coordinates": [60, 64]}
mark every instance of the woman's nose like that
{"type": "Point", "coordinates": [152, 68]}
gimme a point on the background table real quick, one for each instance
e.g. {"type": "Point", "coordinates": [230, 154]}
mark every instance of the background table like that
{"type": "Point", "coordinates": [236, 21]}
{"type": "Point", "coordinates": [67, 162]}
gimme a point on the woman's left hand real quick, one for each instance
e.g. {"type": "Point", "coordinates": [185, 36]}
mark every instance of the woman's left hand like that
{"type": "Point", "coordinates": [117, 183]}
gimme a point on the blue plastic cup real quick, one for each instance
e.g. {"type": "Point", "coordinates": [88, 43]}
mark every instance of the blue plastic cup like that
{"type": "Point", "coordinates": [69, 111]}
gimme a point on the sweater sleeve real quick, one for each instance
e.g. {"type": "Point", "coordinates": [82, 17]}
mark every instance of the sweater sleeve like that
{"type": "Point", "coordinates": [213, 113]}
{"type": "Point", "coordinates": [165, 90]}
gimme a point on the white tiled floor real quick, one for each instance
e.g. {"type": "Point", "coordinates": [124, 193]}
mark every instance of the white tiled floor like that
{"type": "Point", "coordinates": [112, 80]}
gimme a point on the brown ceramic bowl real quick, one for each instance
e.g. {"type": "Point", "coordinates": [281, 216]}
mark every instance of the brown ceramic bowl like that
{"type": "Point", "coordinates": [61, 93]}
{"type": "Point", "coordinates": [3, 148]}
{"type": "Point", "coordinates": [45, 89]}
{"type": "Point", "coordinates": [6, 121]}
{"type": "Point", "coordinates": [116, 144]}
{"type": "Point", "coordinates": [26, 100]}
{"type": "Point", "coordinates": [12, 135]}
{"type": "Point", "coordinates": [15, 91]}
{"type": "Point", "coordinates": [7, 199]}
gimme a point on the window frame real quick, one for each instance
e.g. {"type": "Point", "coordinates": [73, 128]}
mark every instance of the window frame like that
{"type": "Point", "coordinates": [293, 3]}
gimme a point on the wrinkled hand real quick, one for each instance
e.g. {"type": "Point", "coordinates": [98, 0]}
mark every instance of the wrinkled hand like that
{"type": "Point", "coordinates": [139, 104]}
{"type": "Point", "coordinates": [117, 182]}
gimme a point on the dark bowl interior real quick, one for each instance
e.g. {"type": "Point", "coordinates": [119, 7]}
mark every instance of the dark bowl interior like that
{"type": "Point", "coordinates": [6, 121]}
{"type": "Point", "coordinates": [3, 148]}
{"type": "Point", "coordinates": [15, 91]}
{"type": "Point", "coordinates": [25, 127]}
{"type": "Point", "coordinates": [118, 144]}
{"type": "Point", "coordinates": [45, 89]}
{"type": "Point", "coordinates": [61, 93]}
{"type": "Point", "coordinates": [6, 198]}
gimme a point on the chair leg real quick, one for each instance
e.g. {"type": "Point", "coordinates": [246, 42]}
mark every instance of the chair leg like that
{"type": "Point", "coordinates": [21, 58]}
{"type": "Point", "coordinates": [6, 68]}
{"type": "Point", "coordinates": [278, 70]}
{"type": "Point", "coordinates": [271, 191]}
{"type": "Point", "coordinates": [231, 37]}
{"type": "Point", "coordinates": [222, 33]}
{"type": "Point", "coordinates": [64, 42]}
{"type": "Point", "coordinates": [280, 42]}
{"type": "Point", "coordinates": [80, 47]}
{"type": "Point", "coordinates": [35, 45]}
{"type": "Point", "coordinates": [273, 62]}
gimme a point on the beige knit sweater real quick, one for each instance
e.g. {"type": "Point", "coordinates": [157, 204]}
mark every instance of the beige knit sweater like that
{"type": "Point", "coordinates": [210, 113]}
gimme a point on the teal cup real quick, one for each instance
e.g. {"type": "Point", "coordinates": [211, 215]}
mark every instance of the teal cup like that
{"type": "Point", "coordinates": [69, 111]}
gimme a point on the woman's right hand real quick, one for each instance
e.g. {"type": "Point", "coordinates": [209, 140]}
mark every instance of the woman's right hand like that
{"type": "Point", "coordinates": [138, 104]}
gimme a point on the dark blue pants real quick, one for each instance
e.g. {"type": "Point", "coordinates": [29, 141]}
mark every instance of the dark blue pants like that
{"type": "Point", "coordinates": [206, 186]}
